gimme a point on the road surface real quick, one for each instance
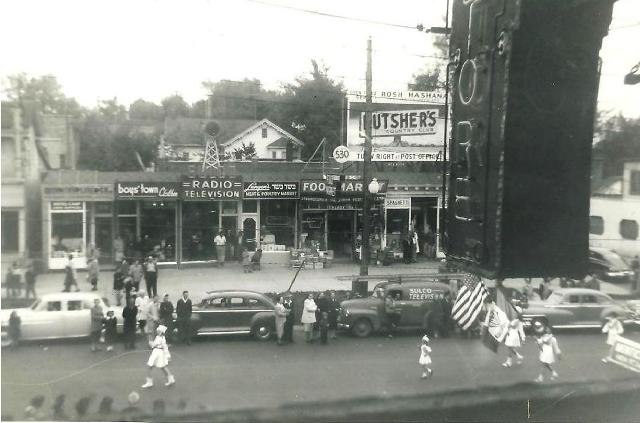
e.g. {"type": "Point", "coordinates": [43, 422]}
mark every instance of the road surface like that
{"type": "Point", "coordinates": [237, 372]}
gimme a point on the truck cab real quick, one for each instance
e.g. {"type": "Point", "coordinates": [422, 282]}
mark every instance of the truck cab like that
{"type": "Point", "coordinates": [417, 304]}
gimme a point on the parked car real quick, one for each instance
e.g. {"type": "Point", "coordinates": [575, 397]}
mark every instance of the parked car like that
{"type": "Point", "coordinates": [58, 315]}
{"type": "Point", "coordinates": [419, 305]}
{"type": "Point", "coordinates": [234, 312]}
{"type": "Point", "coordinates": [609, 265]}
{"type": "Point", "coordinates": [578, 308]}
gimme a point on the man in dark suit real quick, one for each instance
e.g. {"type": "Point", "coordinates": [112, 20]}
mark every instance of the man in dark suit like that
{"type": "Point", "coordinates": [183, 311]}
{"type": "Point", "coordinates": [288, 324]}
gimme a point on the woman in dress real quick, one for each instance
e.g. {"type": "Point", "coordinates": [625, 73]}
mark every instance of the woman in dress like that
{"type": "Point", "coordinates": [159, 358]}
{"type": "Point", "coordinates": [514, 339]}
{"type": "Point", "coordinates": [425, 358]}
{"type": "Point", "coordinates": [281, 313]}
{"type": "Point", "coordinates": [309, 317]}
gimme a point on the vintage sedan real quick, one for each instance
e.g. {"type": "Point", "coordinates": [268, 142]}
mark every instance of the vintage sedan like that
{"type": "Point", "coordinates": [58, 315]}
{"type": "Point", "coordinates": [234, 312]}
{"type": "Point", "coordinates": [577, 308]}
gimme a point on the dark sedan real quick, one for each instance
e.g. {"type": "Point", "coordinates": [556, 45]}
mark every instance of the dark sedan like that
{"type": "Point", "coordinates": [609, 265]}
{"type": "Point", "coordinates": [234, 312]}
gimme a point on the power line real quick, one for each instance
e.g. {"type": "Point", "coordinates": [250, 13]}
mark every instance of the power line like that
{"type": "Point", "coordinates": [331, 15]}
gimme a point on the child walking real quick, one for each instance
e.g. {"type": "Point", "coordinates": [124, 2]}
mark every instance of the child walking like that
{"type": "Point", "coordinates": [613, 328]}
{"type": "Point", "coordinates": [425, 358]}
{"type": "Point", "coordinates": [514, 339]}
{"type": "Point", "coordinates": [159, 358]}
{"type": "Point", "coordinates": [549, 351]}
{"type": "Point", "coordinates": [110, 329]}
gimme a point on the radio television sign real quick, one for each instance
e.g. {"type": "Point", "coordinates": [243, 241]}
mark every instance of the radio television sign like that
{"type": "Point", "coordinates": [211, 189]}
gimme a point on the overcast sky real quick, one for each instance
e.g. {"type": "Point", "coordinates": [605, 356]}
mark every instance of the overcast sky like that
{"type": "Point", "coordinates": [149, 49]}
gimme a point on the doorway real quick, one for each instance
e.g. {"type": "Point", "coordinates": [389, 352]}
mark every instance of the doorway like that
{"type": "Point", "coordinates": [104, 241]}
{"type": "Point", "coordinates": [249, 225]}
{"type": "Point", "coordinates": [340, 233]}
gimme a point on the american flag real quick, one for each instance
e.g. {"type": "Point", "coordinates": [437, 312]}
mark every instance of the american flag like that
{"type": "Point", "coordinates": [469, 301]}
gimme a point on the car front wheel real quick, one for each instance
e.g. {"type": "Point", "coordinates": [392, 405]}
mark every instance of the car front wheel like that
{"type": "Point", "coordinates": [262, 331]}
{"type": "Point", "coordinates": [362, 328]}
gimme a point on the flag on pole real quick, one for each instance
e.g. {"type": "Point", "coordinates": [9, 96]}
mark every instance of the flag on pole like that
{"type": "Point", "coordinates": [504, 304]}
{"type": "Point", "coordinates": [469, 301]}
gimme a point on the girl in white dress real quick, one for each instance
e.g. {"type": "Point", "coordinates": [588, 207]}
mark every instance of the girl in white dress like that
{"type": "Point", "coordinates": [425, 358]}
{"type": "Point", "coordinates": [549, 351]}
{"type": "Point", "coordinates": [514, 339]}
{"type": "Point", "coordinates": [613, 328]}
{"type": "Point", "coordinates": [159, 358]}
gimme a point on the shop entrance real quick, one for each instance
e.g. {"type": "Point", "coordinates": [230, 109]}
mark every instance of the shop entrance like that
{"type": "Point", "coordinates": [340, 235]}
{"type": "Point", "coordinates": [424, 219]}
{"type": "Point", "coordinates": [249, 232]}
{"type": "Point", "coordinates": [104, 235]}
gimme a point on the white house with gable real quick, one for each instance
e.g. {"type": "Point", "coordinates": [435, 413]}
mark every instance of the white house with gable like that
{"type": "Point", "coordinates": [270, 141]}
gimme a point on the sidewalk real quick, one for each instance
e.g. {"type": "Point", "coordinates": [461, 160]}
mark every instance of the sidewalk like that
{"type": "Point", "coordinates": [271, 278]}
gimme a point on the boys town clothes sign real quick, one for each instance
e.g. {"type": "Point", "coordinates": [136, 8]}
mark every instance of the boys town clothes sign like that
{"type": "Point", "coordinates": [211, 189]}
{"type": "Point", "coordinates": [146, 190]}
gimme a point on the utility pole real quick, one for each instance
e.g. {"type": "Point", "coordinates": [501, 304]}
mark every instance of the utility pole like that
{"type": "Point", "coordinates": [365, 247]}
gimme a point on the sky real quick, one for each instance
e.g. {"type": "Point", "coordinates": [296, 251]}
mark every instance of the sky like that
{"type": "Point", "coordinates": [130, 49]}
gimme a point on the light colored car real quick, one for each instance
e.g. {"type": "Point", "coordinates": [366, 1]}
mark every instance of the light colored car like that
{"type": "Point", "coordinates": [58, 315]}
{"type": "Point", "coordinates": [577, 308]}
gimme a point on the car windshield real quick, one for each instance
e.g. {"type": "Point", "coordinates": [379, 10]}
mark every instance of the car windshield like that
{"type": "Point", "coordinates": [35, 304]}
{"type": "Point", "coordinates": [555, 298]}
{"type": "Point", "coordinates": [616, 261]}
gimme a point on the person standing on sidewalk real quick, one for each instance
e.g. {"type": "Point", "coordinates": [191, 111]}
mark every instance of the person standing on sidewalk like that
{"type": "Point", "coordinates": [635, 266]}
{"type": "Point", "coordinates": [70, 277]}
{"type": "Point", "coordinates": [129, 317]}
{"type": "Point", "coordinates": [153, 317]}
{"type": "Point", "coordinates": [151, 276]}
{"type": "Point", "coordinates": [166, 315]}
{"type": "Point", "coordinates": [136, 272]}
{"type": "Point", "coordinates": [110, 329]}
{"type": "Point", "coordinates": [93, 272]}
{"type": "Point", "coordinates": [288, 324]}
{"type": "Point", "coordinates": [118, 284]}
{"type": "Point", "coordinates": [220, 241]}
{"type": "Point", "coordinates": [97, 316]}
{"type": "Point", "coordinates": [184, 309]}
{"type": "Point", "coordinates": [141, 303]}
{"type": "Point", "coordinates": [30, 281]}
{"type": "Point", "coordinates": [309, 317]}
{"type": "Point", "coordinates": [334, 306]}
{"type": "Point", "coordinates": [280, 313]}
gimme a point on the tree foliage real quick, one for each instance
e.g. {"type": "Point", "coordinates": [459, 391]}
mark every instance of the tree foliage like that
{"type": "Point", "coordinates": [174, 106]}
{"type": "Point", "coordinates": [245, 152]}
{"type": "Point", "coordinates": [45, 90]}
{"type": "Point", "coordinates": [145, 110]}
{"type": "Point", "coordinates": [314, 111]}
{"type": "Point", "coordinates": [619, 140]}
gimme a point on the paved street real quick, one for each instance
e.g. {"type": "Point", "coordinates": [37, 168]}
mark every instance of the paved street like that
{"type": "Point", "coordinates": [237, 372]}
{"type": "Point", "coordinates": [272, 278]}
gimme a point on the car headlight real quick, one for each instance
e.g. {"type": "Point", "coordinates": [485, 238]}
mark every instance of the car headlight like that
{"type": "Point", "coordinates": [345, 313]}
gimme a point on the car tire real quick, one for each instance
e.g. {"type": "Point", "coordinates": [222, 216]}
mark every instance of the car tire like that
{"type": "Point", "coordinates": [262, 331]}
{"type": "Point", "coordinates": [362, 328]}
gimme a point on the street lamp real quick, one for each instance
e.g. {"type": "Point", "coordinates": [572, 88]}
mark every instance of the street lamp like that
{"type": "Point", "coordinates": [374, 186]}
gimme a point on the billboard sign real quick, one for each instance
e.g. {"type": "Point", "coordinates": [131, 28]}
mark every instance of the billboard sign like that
{"type": "Point", "coordinates": [271, 190]}
{"type": "Point", "coordinates": [148, 190]}
{"type": "Point", "coordinates": [408, 122]}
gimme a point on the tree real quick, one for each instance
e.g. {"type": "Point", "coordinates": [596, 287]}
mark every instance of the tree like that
{"type": "Point", "coordinates": [45, 90]}
{"type": "Point", "coordinates": [147, 110]}
{"type": "Point", "coordinates": [111, 109]}
{"type": "Point", "coordinates": [174, 106]}
{"type": "Point", "coordinates": [313, 109]}
{"type": "Point", "coordinates": [245, 152]}
{"type": "Point", "coordinates": [432, 78]}
{"type": "Point", "coordinates": [620, 140]}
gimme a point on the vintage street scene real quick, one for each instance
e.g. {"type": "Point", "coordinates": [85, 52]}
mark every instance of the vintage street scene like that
{"type": "Point", "coordinates": [305, 211]}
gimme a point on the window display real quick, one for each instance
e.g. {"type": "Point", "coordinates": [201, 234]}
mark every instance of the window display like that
{"type": "Point", "coordinates": [277, 224]}
{"type": "Point", "coordinates": [200, 224]}
{"type": "Point", "coordinates": [158, 230]}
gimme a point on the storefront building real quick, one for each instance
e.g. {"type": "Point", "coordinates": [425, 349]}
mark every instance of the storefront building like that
{"type": "Point", "coordinates": [275, 208]}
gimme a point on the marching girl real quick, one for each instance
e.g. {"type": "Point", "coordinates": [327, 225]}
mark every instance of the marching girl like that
{"type": "Point", "coordinates": [514, 339]}
{"type": "Point", "coordinates": [159, 358]}
{"type": "Point", "coordinates": [613, 328]}
{"type": "Point", "coordinates": [425, 358]}
{"type": "Point", "coordinates": [549, 350]}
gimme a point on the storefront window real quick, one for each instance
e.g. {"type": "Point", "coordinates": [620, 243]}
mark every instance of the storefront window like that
{"type": "Point", "coordinates": [277, 220]}
{"type": "Point", "coordinates": [158, 229]}
{"type": "Point", "coordinates": [200, 224]}
{"type": "Point", "coordinates": [66, 234]}
{"type": "Point", "coordinates": [397, 227]}
{"type": "Point", "coordinates": [250, 206]}
{"type": "Point", "coordinates": [312, 231]}
{"type": "Point", "coordinates": [10, 225]}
